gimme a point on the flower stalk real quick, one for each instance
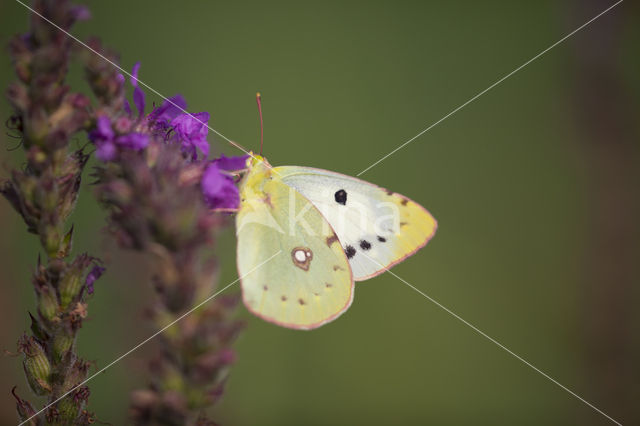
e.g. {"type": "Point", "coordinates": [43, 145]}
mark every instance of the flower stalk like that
{"type": "Point", "coordinates": [159, 189]}
{"type": "Point", "coordinates": [47, 114]}
{"type": "Point", "coordinates": [151, 183]}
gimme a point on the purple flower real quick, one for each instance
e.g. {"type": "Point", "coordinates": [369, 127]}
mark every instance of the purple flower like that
{"type": "Point", "coordinates": [103, 130]}
{"type": "Point", "coordinates": [191, 130]}
{"type": "Point", "coordinates": [102, 137]}
{"type": "Point", "coordinates": [107, 142]}
{"type": "Point", "coordinates": [80, 13]}
{"type": "Point", "coordinates": [106, 151]}
{"type": "Point", "coordinates": [169, 110]}
{"type": "Point", "coordinates": [92, 276]}
{"type": "Point", "coordinates": [134, 140]}
{"type": "Point", "coordinates": [218, 189]}
{"type": "Point", "coordinates": [232, 163]}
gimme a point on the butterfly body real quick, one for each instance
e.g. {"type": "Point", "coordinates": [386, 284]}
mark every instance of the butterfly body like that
{"type": "Point", "coordinates": [328, 230]}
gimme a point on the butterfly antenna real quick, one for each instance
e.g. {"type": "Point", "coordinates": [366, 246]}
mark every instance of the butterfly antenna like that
{"type": "Point", "coordinates": [259, 101]}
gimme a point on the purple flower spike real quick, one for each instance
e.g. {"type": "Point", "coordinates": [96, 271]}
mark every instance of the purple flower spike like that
{"type": "Point", "coordinates": [92, 276]}
{"type": "Point", "coordinates": [232, 163]}
{"type": "Point", "coordinates": [191, 130]}
{"type": "Point", "coordinates": [218, 189]}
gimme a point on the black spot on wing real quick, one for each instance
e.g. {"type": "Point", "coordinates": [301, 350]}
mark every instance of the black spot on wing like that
{"type": "Point", "coordinates": [382, 239]}
{"type": "Point", "coordinates": [341, 197]}
{"type": "Point", "coordinates": [365, 245]}
{"type": "Point", "coordinates": [350, 252]}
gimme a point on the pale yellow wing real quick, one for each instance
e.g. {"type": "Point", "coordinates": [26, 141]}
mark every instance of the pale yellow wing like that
{"type": "Point", "coordinates": [309, 282]}
{"type": "Point", "coordinates": [376, 227]}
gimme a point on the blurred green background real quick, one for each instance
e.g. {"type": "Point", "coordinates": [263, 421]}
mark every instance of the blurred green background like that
{"type": "Point", "coordinates": [534, 185]}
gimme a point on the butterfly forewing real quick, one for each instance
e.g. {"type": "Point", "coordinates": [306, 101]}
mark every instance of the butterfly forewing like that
{"type": "Point", "coordinates": [377, 228]}
{"type": "Point", "coordinates": [309, 282]}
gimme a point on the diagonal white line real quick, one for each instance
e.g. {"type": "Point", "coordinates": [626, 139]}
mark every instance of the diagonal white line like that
{"type": "Point", "coordinates": [494, 341]}
{"type": "Point", "coordinates": [148, 339]}
{"type": "Point", "coordinates": [142, 83]}
{"type": "Point", "coordinates": [490, 87]}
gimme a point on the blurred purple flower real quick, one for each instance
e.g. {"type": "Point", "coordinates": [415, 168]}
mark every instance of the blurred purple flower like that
{"type": "Point", "coordinates": [92, 276]}
{"type": "Point", "coordinates": [80, 13]}
{"type": "Point", "coordinates": [232, 163]}
{"type": "Point", "coordinates": [134, 140]}
{"type": "Point", "coordinates": [102, 137]}
{"type": "Point", "coordinates": [218, 188]}
{"type": "Point", "coordinates": [103, 130]}
{"type": "Point", "coordinates": [191, 131]}
{"type": "Point", "coordinates": [107, 143]}
{"type": "Point", "coordinates": [188, 129]}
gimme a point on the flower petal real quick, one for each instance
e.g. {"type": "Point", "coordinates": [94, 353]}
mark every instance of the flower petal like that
{"type": "Point", "coordinates": [127, 107]}
{"type": "Point", "coordinates": [169, 109]}
{"type": "Point", "coordinates": [232, 163]}
{"type": "Point", "coordinates": [102, 131]}
{"type": "Point", "coordinates": [218, 189]}
{"type": "Point", "coordinates": [138, 100]}
{"type": "Point", "coordinates": [191, 131]}
{"type": "Point", "coordinates": [92, 276]}
{"type": "Point", "coordinates": [134, 74]}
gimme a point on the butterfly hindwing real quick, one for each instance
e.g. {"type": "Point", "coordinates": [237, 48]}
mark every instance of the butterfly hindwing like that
{"type": "Point", "coordinates": [377, 228]}
{"type": "Point", "coordinates": [309, 281]}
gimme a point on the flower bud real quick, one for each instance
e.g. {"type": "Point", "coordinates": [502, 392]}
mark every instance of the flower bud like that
{"type": "Point", "coordinates": [25, 409]}
{"type": "Point", "coordinates": [67, 244]}
{"type": "Point", "coordinates": [47, 303]}
{"type": "Point", "coordinates": [51, 240]}
{"type": "Point", "coordinates": [18, 96]}
{"type": "Point", "coordinates": [68, 410]}
{"type": "Point", "coordinates": [36, 365]}
{"type": "Point", "coordinates": [37, 128]}
{"type": "Point", "coordinates": [77, 373]}
{"type": "Point", "coordinates": [69, 286]}
{"type": "Point", "coordinates": [62, 342]}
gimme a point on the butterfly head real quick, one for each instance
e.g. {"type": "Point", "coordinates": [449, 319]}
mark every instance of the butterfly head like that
{"type": "Point", "coordinates": [257, 173]}
{"type": "Point", "coordinates": [256, 161]}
